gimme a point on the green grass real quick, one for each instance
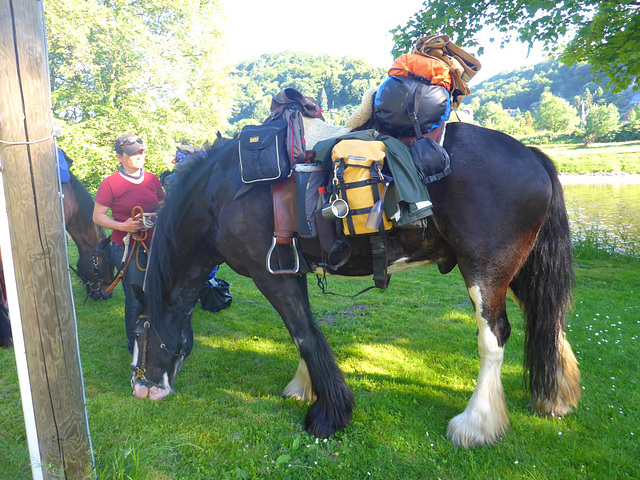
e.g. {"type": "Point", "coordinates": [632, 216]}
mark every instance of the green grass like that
{"type": "Point", "coordinates": [410, 356]}
{"type": "Point", "coordinates": [596, 158]}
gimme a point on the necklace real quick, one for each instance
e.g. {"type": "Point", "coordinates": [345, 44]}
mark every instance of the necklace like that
{"type": "Point", "coordinates": [127, 174]}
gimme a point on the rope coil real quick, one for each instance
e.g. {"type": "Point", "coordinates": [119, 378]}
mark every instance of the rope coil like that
{"type": "Point", "coordinates": [148, 221]}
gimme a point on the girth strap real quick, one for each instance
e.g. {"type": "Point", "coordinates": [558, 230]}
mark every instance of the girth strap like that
{"type": "Point", "coordinates": [379, 259]}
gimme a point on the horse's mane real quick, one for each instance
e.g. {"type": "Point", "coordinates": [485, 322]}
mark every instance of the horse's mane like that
{"type": "Point", "coordinates": [189, 183]}
{"type": "Point", "coordinates": [83, 198]}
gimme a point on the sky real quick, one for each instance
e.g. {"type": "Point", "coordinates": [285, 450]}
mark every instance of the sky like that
{"type": "Point", "coordinates": [341, 28]}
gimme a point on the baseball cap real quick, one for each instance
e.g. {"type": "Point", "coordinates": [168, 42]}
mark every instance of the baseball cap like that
{"type": "Point", "coordinates": [129, 143]}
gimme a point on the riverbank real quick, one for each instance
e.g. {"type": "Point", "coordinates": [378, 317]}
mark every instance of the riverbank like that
{"type": "Point", "coordinates": [600, 179]}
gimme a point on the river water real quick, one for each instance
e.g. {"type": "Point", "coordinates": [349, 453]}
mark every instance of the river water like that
{"type": "Point", "coordinates": [610, 210]}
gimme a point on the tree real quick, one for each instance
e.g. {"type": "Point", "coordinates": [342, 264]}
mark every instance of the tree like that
{"type": "Point", "coordinates": [323, 102]}
{"type": "Point", "coordinates": [526, 124]}
{"type": "Point", "coordinates": [146, 67]}
{"type": "Point", "coordinates": [600, 32]}
{"type": "Point", "coordinates": [555, 114]}
{"type": "Point", "coordinates": [602, 120]}
{"type": "Point", "coordinates": [634, 117]}
{"type": "Point", "coordinates": [492, 115]}
{"type": "Point", "coordinates": [631, 129]}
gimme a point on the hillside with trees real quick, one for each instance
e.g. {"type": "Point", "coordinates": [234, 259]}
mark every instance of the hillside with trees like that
{"type": "Point", "coordinates": [556, 99]}
{"type": "Point", "coordinates": [549, 97]}
{"type": "Point", "coordinates": [168, 82]}
{"type": "Point", "coordinates": [521, 88]}
{"type": "Point", "coordinates": [337, 84]}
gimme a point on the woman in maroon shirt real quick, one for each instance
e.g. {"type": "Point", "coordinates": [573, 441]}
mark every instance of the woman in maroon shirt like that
{"type": "Point", "coordinates": [122, 192]}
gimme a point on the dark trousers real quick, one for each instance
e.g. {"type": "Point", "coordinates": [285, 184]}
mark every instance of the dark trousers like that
{"type": "Point", "coordinates": [132, 276]}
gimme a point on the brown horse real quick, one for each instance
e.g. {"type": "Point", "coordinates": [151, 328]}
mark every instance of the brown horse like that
{"type": "Point", "coordinates": [500, 216]}
{"type": "Point", "coordinates": [94, 266]}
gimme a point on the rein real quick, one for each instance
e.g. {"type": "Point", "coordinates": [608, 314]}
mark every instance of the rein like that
{"type": "Point", "coordinates": [140, 369]}
{"type": "Point", "coordinates": [148, 221]}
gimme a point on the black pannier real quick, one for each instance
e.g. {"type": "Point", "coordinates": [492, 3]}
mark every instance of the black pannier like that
{"type": "Point", "coordinates": [401, 100]}
{"type": "Point", "coordinates": [263, 152]}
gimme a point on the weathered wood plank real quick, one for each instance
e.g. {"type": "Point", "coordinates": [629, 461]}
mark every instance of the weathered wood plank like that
{"type": "Point", "coordinates": [38, 242]}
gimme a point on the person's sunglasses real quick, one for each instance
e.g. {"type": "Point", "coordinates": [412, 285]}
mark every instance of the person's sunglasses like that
{"type": "Point", "coordinates": [130, 142]}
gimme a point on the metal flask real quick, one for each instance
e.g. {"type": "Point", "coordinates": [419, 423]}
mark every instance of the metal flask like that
{"type": "Point", "coordinates": [375, 215]}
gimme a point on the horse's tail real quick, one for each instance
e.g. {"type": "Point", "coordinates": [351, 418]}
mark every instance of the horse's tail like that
{"type": "Point", "coordinates": [544, 288]}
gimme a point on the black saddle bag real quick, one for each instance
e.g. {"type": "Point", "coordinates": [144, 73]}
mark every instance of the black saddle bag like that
{"type": "Point", "coordinates": [431, 160]}
{"type": "Point", "coordinates": [402, 101]}
{"type": "Point", "coordinates": [263, 152]}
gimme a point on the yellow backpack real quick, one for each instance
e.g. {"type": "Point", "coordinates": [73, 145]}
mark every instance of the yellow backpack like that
{"type": "Point", "coordinates": [359, 181]}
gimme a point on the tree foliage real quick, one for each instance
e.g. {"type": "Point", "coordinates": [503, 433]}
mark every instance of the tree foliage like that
{"type": "Point", "coordinates": [149, 67]}
{"type": "Point", "coordinates": [340, 82]}
{"type": "Point", "coordinates": [521, 88]}
{"type": "Point", "coordinates": [601, 32]}
{"type": "Point", "coordinates": [555, 114]}
{"type": "Point", "coordinates": [602, 120]}
{"type": "Point", "coordinates": [492, 115]}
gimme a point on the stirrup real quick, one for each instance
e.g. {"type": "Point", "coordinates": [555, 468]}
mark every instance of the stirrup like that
{"type": "Point", "coordinates": [296, 268]}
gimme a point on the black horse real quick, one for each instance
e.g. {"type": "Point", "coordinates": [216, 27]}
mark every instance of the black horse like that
{"type": "Point", "coordinates": [499, 216]}
{"type": "Point", "coordinates": [94, 265]}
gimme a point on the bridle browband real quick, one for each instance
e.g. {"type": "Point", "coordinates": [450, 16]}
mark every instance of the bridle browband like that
{"type": "Point", "coordinates": [140, 368]}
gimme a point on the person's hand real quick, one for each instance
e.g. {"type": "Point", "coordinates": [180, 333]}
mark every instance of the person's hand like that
{"type": "Point", "coordinates": [131, 226]}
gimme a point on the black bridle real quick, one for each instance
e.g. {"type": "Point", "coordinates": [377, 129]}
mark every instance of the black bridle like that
{"type": "Point", "coordinates": [95, 282]}
{"type": "Point", "coordinates": [139, 370]}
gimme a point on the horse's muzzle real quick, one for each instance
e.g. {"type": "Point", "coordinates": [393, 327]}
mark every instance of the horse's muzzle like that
{"type": "Point", "coordinates": [140, 390]}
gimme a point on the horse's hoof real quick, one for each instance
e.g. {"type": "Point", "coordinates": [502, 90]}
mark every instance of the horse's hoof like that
{"type": "Point", "coordinates": [470, 429]}
{"type": "Point", "coordinates": [319, 423]}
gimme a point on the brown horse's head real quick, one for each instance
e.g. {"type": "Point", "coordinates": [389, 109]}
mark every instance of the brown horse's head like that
{"type": "Point", "coordinates": [97, 271]}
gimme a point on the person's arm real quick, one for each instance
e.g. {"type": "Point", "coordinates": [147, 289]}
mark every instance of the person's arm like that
{"type": "Point", "coordinates": [101, 218]}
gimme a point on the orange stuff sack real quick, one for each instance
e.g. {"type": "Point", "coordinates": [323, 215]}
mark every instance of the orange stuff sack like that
{"type": "Point", "coordinates": [428, 69]}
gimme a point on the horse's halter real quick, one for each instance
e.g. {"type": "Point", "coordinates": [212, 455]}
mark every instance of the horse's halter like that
{"type": "Point", "coordinates": [95, 282]}
{"type": "Point", "coordinates": [140, 368]}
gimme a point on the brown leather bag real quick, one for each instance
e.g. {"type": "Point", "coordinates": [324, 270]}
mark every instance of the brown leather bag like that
{"type": "Point", "coordinates": [463, 66]}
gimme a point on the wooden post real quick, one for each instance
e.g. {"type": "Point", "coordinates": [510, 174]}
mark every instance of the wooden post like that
{"type": "Point", "coordinates": [38, 248]}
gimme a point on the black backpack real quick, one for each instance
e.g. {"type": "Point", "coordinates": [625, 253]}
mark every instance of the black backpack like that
{"type": "Point", "coordinates": [406, 106]}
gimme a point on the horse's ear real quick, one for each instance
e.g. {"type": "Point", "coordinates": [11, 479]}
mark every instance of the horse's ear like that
{"type": "Point", "coordinates": [104, 244]}
{"type": "Point", "coordinates": [139, 293]}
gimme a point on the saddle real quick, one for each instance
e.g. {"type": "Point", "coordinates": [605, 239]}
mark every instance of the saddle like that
{"type": "Point", "coordinates": [307, 128]}
{"type": "Point", "coordinates": [319, 138]}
